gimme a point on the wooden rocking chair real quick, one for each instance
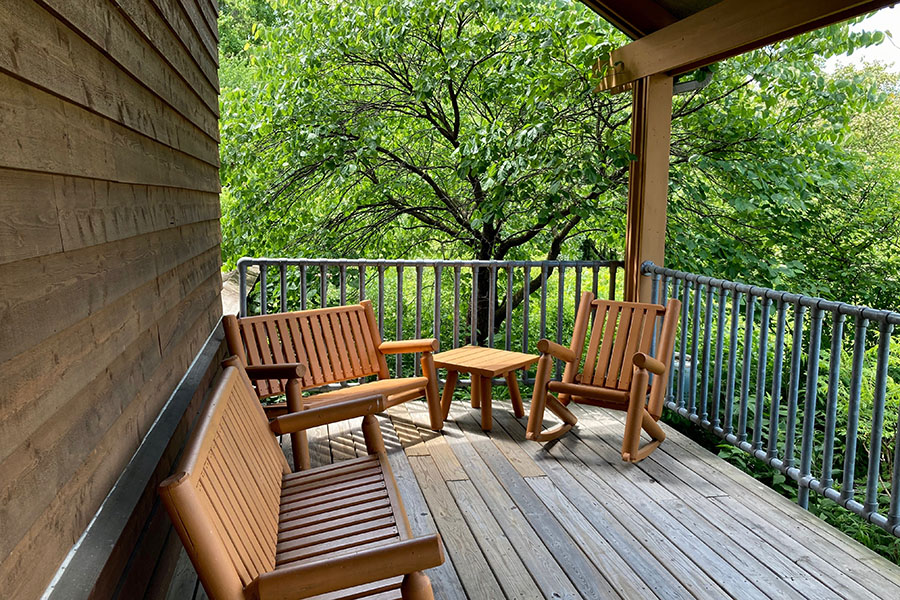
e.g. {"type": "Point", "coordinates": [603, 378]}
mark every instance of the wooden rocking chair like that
{"type": "Point", "coordinates": [615, 372]}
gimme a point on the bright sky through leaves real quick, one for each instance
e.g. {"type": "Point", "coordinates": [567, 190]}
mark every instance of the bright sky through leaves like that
{"type": "Point", "coordinates": [888, 51]}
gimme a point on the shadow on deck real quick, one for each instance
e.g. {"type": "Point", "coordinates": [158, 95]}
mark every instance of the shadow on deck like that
{"type": "Point", "coordinates": [571, 520]}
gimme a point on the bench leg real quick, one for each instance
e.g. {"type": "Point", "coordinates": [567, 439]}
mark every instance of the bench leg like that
{"type": "Point", "coordinates": [299, 442]}
{"type": "Point", "coordinates": [416, 586]}
{"type": "Point", "coordinates": [372, 434]}
{"type": "Point", "coordinates": [447, 395]}
{"type": "Point", "coordinates": [514, 395]}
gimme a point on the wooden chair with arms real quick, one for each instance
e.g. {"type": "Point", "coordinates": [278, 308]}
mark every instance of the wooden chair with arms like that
{"type": "Point", "coordinates": [335, 344]}
{"type": "Point", "coordinates": [615, 370]}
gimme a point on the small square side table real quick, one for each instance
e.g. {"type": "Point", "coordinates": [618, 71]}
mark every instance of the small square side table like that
{"type": "Point", "coordinates": [483, 364]}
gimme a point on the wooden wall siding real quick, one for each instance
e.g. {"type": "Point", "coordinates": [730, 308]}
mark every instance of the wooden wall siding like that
{"type": "Point", "coordinates": [109, 256]}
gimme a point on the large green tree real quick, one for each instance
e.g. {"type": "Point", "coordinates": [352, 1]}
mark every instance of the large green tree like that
{"type": "Point", "coordinates": [469, 128]}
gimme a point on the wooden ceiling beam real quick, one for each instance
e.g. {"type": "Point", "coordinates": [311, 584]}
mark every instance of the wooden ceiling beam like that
{"type": "Point", "coordinates": [636, 18]}
{"type": "Point", "coordinates": [723, 30]}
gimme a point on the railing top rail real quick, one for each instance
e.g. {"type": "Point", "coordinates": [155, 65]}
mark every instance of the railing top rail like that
{"type": "Point", "coordinates": [863, 312]}
{"type": "Point", "coordinates": [375, 262]}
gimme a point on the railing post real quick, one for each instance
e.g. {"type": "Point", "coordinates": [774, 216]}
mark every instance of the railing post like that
{"type": "Point", "coordinates": [242, 284]}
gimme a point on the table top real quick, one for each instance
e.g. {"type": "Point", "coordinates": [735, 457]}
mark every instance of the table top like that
{"type": "Point", "coordinates": [487, 362]}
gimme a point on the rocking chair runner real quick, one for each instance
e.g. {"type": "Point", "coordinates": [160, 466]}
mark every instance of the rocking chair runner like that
{"type": "Point", "coordinates": [615, 372]}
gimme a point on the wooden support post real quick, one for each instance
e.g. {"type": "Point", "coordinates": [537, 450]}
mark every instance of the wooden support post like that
{"type": "Point", "coordinates": [648, 182]}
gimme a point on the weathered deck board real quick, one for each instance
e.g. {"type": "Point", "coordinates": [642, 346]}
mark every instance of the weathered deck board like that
{"type": "Point", "coordinates": [570, 520]}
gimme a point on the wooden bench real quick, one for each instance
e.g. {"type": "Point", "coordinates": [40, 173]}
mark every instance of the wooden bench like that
{"type": "Point", "coordinates": [254, 530]}
{"type": "Point", "coordinates": [336, 345]}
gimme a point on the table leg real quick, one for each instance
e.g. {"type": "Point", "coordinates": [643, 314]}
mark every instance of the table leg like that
{"type": "Point", "coordinates": [514, 395]}
{"type": "Point", "coordinates": [476, 391]}
{"type": "Point", "coordinates": [447, 395]}
{"type": "Point", "coordinates": [486, 416]}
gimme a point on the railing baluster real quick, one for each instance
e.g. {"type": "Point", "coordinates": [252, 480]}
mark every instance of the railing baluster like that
{"type": "Point", "coordinates": [381, 300]}
{"type": "Point", "coordinates": [856, 373]}
{"type": "Point", "coordinates": [543, 301]}
{"type": "Point", "coordinates": [577, 287]}
{"type": "Point", "coordinates": [456, 307]}
{"type": "Point", "coordinates": [362, 282]}
{"type": "Point", "coordinates": [595, 281]}
{"type": "Point", "coordinates": [732, 362]}
{"type": "Point", "coordinates": [717, 374]}
{"type": "Point", "coordinates": [809, 410]}
{"type": "Point", "coordinates": [612, 281]}
{"type": "Point", "coordinates": [761, 363]}
{"type": "Point", "coordinates": [750, 307]}
{"type": "Point", "coordinates": [323, 286]}
{"type": "Point", "coordinates": [509, 299]}
{"type": "Point", "coordinates": [790, 431]}
{"type": "Point", "coordinates": [492, 303]}
{"type": "Point", "coordinates": [884, 351]}
{"type": "Point", "coordinates": [777, 365]}
{"type": "Point", "coordinates": [419, 269]}
{"type": "Point", "coordinates": [682, 348]}
{"type": "Point", "coordinates": [680, 331]}
{"type": "Point", "coordinates": [707, 339]}
{"type": "Point", "coordinates": [695, 331]}
{"type": "Point", "coordinates": [474, 332]}
{"type": "Point", "coordinates": [438, 271]}
{"type": "Point", "coordinates": [560, 300]}
{"type": "Point", "coordinates": [526, 309]}
{"type": "Point", "coordinates": [398, 359]}
{"type": "Point", "coordinates": [263, 290]}
{"type": "Point", "coordinates": [834, 374]}
{"type": "Point", "coordinates": [303, 287]}
{"type": "Point", "coordinates": [343, 283]}
{"type": "Point", "coordinates": [282, 276]}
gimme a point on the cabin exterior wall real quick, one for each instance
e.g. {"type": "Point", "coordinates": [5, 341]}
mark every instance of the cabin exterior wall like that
{"type": "Point", "coordinates": [109, 251]}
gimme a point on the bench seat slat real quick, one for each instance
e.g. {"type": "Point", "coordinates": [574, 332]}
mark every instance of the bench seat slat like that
{"type": "Point", "coordinates": [290, 533]}
{"type": "Point", "coordinates": [373, 539]}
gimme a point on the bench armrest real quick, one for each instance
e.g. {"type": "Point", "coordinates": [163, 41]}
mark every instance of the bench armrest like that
{"type": "Point", "coordinates": [320, 576]}
{"type": "Point", "coordinates": [642, 361]}
{"type": "Point", "coordinates": [282, 371]}
{"type": "Point", "coordinates": [545, 346]}
{"type": "Point", "coordinates": [339, 411]}
{"type": "Point", "coordinates": [401, 346]}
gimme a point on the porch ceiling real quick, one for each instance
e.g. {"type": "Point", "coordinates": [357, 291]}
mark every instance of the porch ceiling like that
{"type": "Point", "coordinates": [638, 18]}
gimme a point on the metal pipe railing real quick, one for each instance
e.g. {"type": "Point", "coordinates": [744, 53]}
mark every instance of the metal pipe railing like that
{"type": "Point", "coordinates": [746, 341]}
{"type": "Point", "coordinates": [488, 299]}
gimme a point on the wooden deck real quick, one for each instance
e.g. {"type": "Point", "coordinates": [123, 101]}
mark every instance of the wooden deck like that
{"type": "Point", "coordinates": [572, 521]}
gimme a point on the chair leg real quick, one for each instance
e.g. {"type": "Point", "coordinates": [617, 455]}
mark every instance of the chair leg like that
{"type": "Point", "coordinates": [539, 399]}
{"type": "Point", "coordinates": [372, 434]}
{"type": "Point", "coordinates": [416, 586]}
{"type": "Point", "coordinates": [435, 414]}
{"type": "Point", "coordinates": [639, 419]}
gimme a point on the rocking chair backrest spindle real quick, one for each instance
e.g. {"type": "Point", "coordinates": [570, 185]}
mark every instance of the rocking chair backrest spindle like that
{"type": "Point", "coordinates": [619, 330]}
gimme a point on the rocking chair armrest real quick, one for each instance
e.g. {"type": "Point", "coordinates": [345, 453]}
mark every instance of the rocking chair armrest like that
{"type": "Point", "coordinates": [282, 371]}
{"type": "Point", "coordinates": [320, 576]}
{"type": "Point", "coordinates": [403, 346]}
{"type": "Point", "coordinates": [331, 413]}
{"type": "Point", "coordinates": [545, 346]}
{"type": "Point", "coordinates": [642, 361]}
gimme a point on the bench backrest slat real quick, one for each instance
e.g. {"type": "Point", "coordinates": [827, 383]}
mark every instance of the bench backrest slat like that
{"type": "Point", "coordinates": [228, 487]}
{"type": "Point", "coordinates": [335, 344]}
